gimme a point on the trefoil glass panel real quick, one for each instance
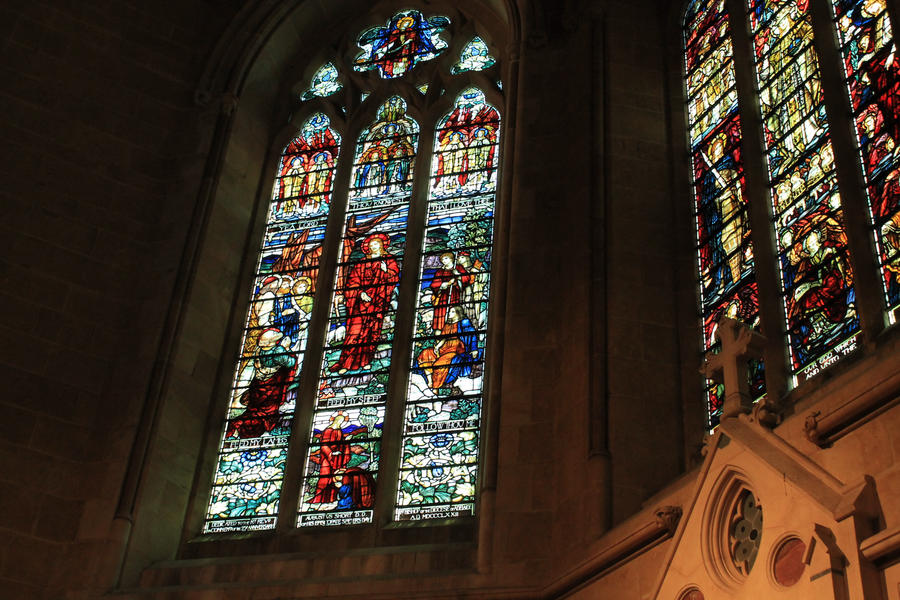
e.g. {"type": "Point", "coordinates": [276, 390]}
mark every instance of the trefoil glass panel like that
{"type": "Point", "coordinates": [324, 83]}
{"type": "Point", "coordinates": [475, 56]}
{"type": "Point", "coordinates": [408, 39]}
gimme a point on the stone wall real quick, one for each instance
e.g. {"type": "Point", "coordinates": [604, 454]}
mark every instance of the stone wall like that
{"type": "Point", "coordinates": [98, 121]}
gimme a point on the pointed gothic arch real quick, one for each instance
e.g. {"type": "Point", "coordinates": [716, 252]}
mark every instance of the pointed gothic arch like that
{"type": "Point", "coordinates": [256, 102]}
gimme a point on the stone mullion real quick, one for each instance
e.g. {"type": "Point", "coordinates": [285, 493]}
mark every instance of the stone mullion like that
{"type": "Point", "coordinates": [851, 181]}
{"type": "Point", "coordinates": [392, 433]}
{"type": "Point", "coordinates": [312, 361]}
{"type": "Point", "coordinates": [493, 366]}
{"type": "Point", "coordinates": [768, 278]}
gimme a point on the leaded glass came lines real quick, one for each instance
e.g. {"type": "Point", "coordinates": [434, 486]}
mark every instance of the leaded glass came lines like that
{"type": "Point", "coordinates": [724, 251]}
{"type": "Point", "coordinates": [817, 279]}
{"type": "Point", "coordinates": [339, 452]}
{"type": "Point", "coordinates": [872, 69]}
{"type": "Point", "coordinates": [441, 435]}
{"type": "Point", "coordinates": [345, 442]}
{"type": "Point", "coordinates": [252, 454]}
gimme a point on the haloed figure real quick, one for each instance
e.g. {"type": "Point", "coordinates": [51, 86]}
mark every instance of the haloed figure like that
{"type": "Point", "coordinates": [370, 287]}
{"type": "Point", "coordinates": [820, 296]}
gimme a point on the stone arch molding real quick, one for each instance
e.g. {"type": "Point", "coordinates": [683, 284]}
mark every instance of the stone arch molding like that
{"type": "Point", "coordinates": [718, 516]}
{"type": "Point", "coordinates": [799, 500]}
{"type": "Point", "coordinates": [247, 94]}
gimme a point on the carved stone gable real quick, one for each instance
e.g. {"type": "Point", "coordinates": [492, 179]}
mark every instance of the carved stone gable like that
{"type": "Point", "coordinates": [764, 521]}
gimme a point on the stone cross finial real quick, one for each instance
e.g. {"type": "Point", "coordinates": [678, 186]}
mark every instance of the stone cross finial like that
{"type": "Point", "coordinates": [729, 366]}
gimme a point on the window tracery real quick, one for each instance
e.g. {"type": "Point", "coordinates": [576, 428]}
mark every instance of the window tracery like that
{"type": "Point", "coordinates": [349, 391]}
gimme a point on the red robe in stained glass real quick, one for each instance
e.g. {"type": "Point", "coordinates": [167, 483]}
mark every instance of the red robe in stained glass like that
{"type": "Point", "coordinates": [370, 286]}
{"type": "Point", "coordinates": [447, 287]}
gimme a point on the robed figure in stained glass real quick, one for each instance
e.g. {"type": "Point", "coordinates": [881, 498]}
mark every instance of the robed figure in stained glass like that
{"type": "Point", "coordinates": [721, 217]}
{"type": "Point", "coordinates": [267, 389]}
{"type": "Point", "coordinates": [400, 154]}
{"type": "Point", "coordinates": [408, 39]}
{"type": "Point", "coordinates": [372, 174]}
{"type": "Point", "coordinates": [355, 489]}
{"type": "Point", "coordinates": [467, 143]}
{"type": "Point", "coordinates": [307, 169]}
{"type": "Point", "coordinates": [367, 299]}
{"type": "Point", "coordinates": [447, 285]}
{"type": "Point", "coordinates": [820, 298]}
{"type": "Point", "coordinates": [385, 152]}
{"type": "Point", "coordinates": [352, 487]}
{"type": "Point", "coordinates": [476, 281]}
{"type": "Point", "coordinates": [453, 356]}
{"type": "Point", "coordinates": [296, 311]}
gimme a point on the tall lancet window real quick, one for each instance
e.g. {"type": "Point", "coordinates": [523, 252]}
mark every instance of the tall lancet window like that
{"type": "Point", "coordinates": [816, 275]}
{"type": "Point", "coordinates": [345, 442]}
{"type": "Point", "coordinates": [263, 399]}
{"type": "Point", "coordinates": [724, 250]}
{"type": "Point", "coordinates": [872, 69]}
{"type": "Point", "coordinates": [803, 188]}
{"type": "Point", "coordinates": [439, 453]}
{"type": "Point", "coordinates": [371, 297]}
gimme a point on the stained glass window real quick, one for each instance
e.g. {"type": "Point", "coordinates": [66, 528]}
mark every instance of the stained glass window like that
{"type": "Point", "coordinates": [263, 397]}
{"type": "Point", "coordinates": [345, 443]}
{"type": "Point", "coordinates": [324, 83]}
{"type": "Point", "coordinates": [408, 39]}
{"type": "Point", "coordinates": [339, 462]}
{"type": "Point", "coordinates": [818, 290]}
{"type": "Point", "coordinates": [725, 253]}
{"type": "Point", "coordinates": [439, 452]}
{"type": "Point", "coordinates": [475, 57]}
{"type": "Point", "coordinates": [817, 279]}
{"type": "Point", "coordinates": [872, 69]}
